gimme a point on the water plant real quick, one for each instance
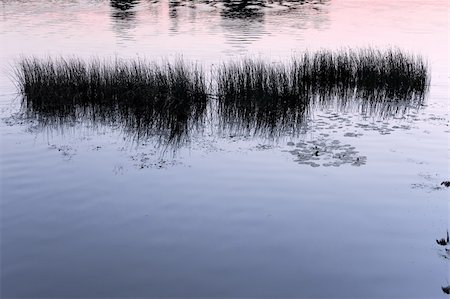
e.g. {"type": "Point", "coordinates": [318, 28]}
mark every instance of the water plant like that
{"type": "Point", "coordinates": [251, 95]}
{"type": "Point", "coordinates": [144, 98]}
{"type": "Point", "coordinates": [265, 94]}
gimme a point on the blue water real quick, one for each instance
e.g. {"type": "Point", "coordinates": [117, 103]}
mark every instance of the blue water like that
{"type": "Point", "coordinates": [88, 212]}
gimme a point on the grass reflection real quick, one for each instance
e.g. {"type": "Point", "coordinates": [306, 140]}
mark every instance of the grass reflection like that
{"type": "Point", "coordinates": [249, 96]}
{"type": "Point", "coordinates": [145, 99]}
{"type": "Point", "coordinates": [257, 95]}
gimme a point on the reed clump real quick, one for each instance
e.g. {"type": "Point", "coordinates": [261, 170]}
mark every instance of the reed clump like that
{"type": "Point", "coordinates": [253, 95]}
{"type": "Point", "coordinates": [391, 72]}
{"type": "Point", "coordinates": [264, 94]}
{"type": "Point", "coordinates": [145, 98]}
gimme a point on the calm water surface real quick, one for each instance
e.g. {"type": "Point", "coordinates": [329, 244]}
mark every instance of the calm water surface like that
{"type": "Point", "coordinates": [87, 211]}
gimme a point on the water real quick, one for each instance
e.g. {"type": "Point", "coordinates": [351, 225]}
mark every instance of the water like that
{"type": "Point", "coordinates": [89, 211]}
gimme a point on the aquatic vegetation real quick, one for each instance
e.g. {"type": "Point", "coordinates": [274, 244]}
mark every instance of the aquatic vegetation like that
{"type": "Point", "coordinates": [366, 72]}
{"type": "Point", "coordinates": [445, 183]}
{"type": "Point", "coordinates": [446, 255]}
{"type": "Point", "coordinates": [326, 152]}
{"type": "Point", "coordinates": [258, 96]}
{"type": "Point", "coordinates": [144, 98]}
{"type": "Point", "coordinates": [253, 96]}
{"type": "Point", "coordinates": [443, 241]}
{"type": "Point", "coordinates": [261, 93]}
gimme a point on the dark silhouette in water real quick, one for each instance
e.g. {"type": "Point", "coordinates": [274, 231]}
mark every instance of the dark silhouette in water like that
{"type": "Point", "coordinates": [244, 20]}
{"type": "Point", "coordinates": [243, 8]}
{"type": "Point", "coordinates": [446, 255]}
{"type": "Point", "coordinates": [144, 99]}
{"type": "Point", "coordinates": [259, 96]}
{"type": "Point", "coordinates": [123, 16]}
{"type": "Point", "coordinates": [248, 97]}
{"type": "Point", "coordinates": [443, 241]}
{"type": "Point", "coordinates": [256, 8]}
{"type": "Point", "coordinates": [173, 5]}
{"type": "Point", "coordinates": [445, 183]}
{"type": "Point", "coordinates": [123, 9]}
{"type": "Point", "coordinates": [124, 5]}
{"type": "Point", "coordinates": [173, 14]}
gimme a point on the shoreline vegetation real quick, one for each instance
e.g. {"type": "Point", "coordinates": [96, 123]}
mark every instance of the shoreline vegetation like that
{"type": "Point", "coordinates": [170, 98]}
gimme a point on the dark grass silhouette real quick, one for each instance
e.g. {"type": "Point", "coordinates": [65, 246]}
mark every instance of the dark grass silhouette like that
{"type": "Point", "coordinates": [256, 94]}
{"type": "Point", "coordinates": [446, 255]}
{"type": "Point", "coordinates": [144, 98]}
{"type": "Point", "coordinates": [445, 184]}
{"type": "Point", "coordinates": [252, 96]}
{"type": "Point", "coordinates": [443, 241]}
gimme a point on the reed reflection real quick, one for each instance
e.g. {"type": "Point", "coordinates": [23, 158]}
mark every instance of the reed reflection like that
{"type": "Point", "coordinates": [144, 100]}
{"type": "Point", "coordinates": [290, 116]}
{"type": "Point", "coordinates": [250, 97]}
{"type": "Point", "coordinates": [261, 97]}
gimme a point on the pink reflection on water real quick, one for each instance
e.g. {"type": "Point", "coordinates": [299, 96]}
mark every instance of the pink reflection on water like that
{"type": "Point", "coordinates": [204, 32]}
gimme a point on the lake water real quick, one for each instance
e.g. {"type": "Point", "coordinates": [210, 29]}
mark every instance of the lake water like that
{"type": "Point", "coordinates": [88, 211]}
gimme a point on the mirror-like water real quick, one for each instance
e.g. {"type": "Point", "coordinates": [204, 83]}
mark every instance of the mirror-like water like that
{"type": "Point", "coordinates": [341, 198]}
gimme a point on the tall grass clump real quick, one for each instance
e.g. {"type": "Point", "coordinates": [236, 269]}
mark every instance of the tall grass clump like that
{"type": "Point", "coordinates": [253, 95]}
{"type": "Point", "coordinates": [145, 98]}
{"type": "Point", "coordinates": [256, 96]}
{"type": "Point", "coordinates": [263, 94]}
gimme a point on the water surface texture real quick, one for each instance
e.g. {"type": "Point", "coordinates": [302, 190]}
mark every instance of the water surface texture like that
{"type": "Point", "coordinates": [340, 200]}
